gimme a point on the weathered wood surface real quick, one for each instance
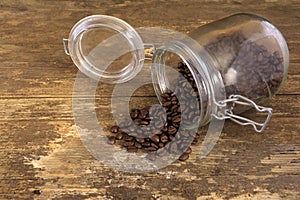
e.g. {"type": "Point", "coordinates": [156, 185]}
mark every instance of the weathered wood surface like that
{"type": "Point", "coordinates": [40, 149]}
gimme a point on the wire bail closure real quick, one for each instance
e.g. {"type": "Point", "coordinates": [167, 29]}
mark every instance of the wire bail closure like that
{"type": "Point", "coordinates": [241, 100]}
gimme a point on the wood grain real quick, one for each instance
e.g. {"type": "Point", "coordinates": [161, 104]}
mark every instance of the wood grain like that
{"type": "Point", "coordinates": [41, 155]}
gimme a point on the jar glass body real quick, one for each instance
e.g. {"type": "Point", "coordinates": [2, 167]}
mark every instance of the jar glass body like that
{"type": "Point", "coordinates": [246, 55]}
{"type": "Point", "coordinates": [250, 53]}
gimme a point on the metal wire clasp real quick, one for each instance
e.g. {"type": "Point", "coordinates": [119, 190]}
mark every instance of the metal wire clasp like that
{"type": "Point", "coordinates": [241, 100]}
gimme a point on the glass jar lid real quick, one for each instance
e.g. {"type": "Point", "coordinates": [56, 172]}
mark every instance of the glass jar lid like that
{"type": "Point", "coordinates": [105, 48]}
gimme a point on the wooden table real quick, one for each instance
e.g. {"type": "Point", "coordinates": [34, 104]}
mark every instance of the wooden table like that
{"type": "Point", "coordinates": [41, 153]}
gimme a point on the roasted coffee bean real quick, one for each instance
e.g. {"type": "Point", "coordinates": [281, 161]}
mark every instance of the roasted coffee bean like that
{"type": "Point", "coordinates": [137, 121]}
{"type": "Point", "coordinates": [132, 149]}
{"type": "Point", "coordinates": [119, 136]}
{"type": "Point", "coordinates": [144, 122]}
{"type": "Point", "coordinates": [188, 151]}
{"type": "Point", "coordinates": [157, 132]}
{"type": "Point", "coordinates": [184, 157]}
{"type": "Point", "coordinates": [155, 139]}
{"type": "Point", "coordinates": [164, 138]}
{"type": "Point", "coordinates": [146, 144]}
{"type": "Point", "coordinates": [161, 145]}
{"type": "Point", "coordinates": [143, 113]}
{"type": "Point", "coordinates": [164, 129]}
{"type": "Point", "coordinates": [134, 113]}
{"type": "Point", "coordinates": [150, 149]}
{"type": "Point", "coordinates": [140, 140]}
{"type": "Point", "coordinates": [127, 144]}
{"type": "Point", "coordinates": [167, 103]}
{"type": "Point", "coordinates": [165, 95]}
{"type": "Point", "coordinates": [176, 119]}
{"type": "Point", "coordinates": [172, 130]}
{"type": "Point", "coordinates": [128, 138]}
{"type": "Point", "coordinates": [114, 129]}
{"type": "Point", "coordinates": [174, 102]}
{"type": "Point", "coordinates": [138, 145]}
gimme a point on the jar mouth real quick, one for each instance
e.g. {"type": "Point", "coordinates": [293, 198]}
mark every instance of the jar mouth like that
{"type": "Point", "coordinates": [208, 81]}
{"type": "Point", "coordinates": [97, 41]}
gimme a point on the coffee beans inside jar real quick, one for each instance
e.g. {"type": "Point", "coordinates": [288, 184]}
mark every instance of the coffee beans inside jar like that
{"type": "Point", "coordinates": [247, 68]}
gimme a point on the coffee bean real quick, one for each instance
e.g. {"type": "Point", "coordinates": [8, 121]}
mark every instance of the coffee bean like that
{"type": "Point", "coordinates": [188, 151]}
{"type": "Point", "coordinates": [143, 113]}
{"type": "Point", "coordinates": [114, 129]}
{"type": "Point", "coordinates": [157, 132]}
{"type": "Point", "coordinates": [127, 144]}
{"type": "Point", "coordinates": [150, 149]}
{"type": "Point", "coordinates": [132, 149]}
{"type": "Point", "coordinates": [174, 102]}
{"type": "Point", "coordinates": [164, 129]}
{"type": "Point", "coordinates": [176, 119]}
{"type": "Point", "coordinates": [144, 122]}
{"type": "Point", "coordinates": [146, 144]}
{"type": "Point", "coordinates": [172, 130]}
{"type": "Point", "coordinates": [137, 121]}
{"type": "Point", "coordinates": [134, 113]}
{"type": "Point", "coordinates": [140, 140]}
{"type": "Point", "coordinates": [119, 136]}
{"type": "Point", "coordinates": [164, 138]}
{"type": "Point", "coordinates": [165, 95]}
{"type": "Point", "coordinates": [138, 145]}
{"type": "Point", "coordinates": [161, 145]}
{"type": "Point", "coordinates": [184, 157]}
{"type": "Point", "coordinates": [155, 139]}
{"type": "Point", "coordinates": [128, 138]}
{"type": "Point", "coordinates": [167, 103]}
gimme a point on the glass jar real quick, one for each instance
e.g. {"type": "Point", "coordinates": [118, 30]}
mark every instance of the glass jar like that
{"type": "Point", "coordinates": [244, 53]}
{"type": "Point", "coordinates": [232, 64]}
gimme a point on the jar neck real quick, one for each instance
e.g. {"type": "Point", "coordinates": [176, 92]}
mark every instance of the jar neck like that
{"type": "Point", "coordinates": [207, 80]}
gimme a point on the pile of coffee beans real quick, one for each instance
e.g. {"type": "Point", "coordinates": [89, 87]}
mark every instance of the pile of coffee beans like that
{"type": "Point", "coordinates": [150, 130]}
{"type": "Point", "coordinates": [137, 136]}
